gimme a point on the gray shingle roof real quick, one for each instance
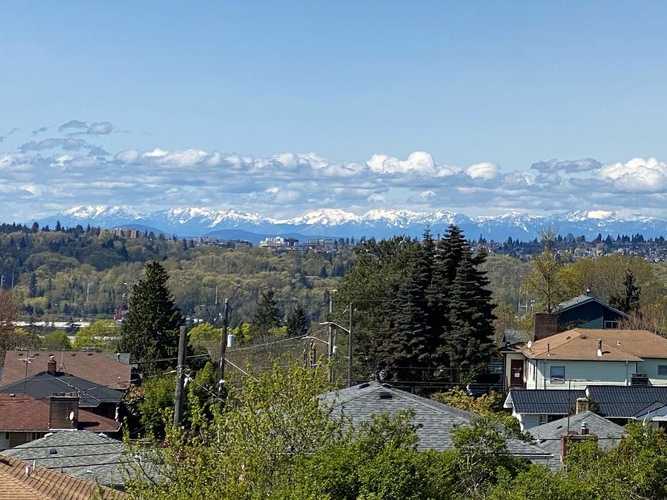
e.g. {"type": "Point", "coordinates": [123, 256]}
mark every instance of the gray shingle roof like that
{"type": "Point", "coordinates": [543, 402]}
{"type": "Point", "coordinates": [583, 299]}
{"type": "Point", "coordinates": [82, 454]}
{"type": "Point", "coordinates": [435, 421]}
{"type": "Point", "coordinates": [43, 385]}
{"type": "Point", "coordinates": [548, 435]}
{"type": "Point", "coordinates": [626, 401]}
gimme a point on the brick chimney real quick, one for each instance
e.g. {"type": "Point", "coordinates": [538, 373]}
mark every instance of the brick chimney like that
{"type": "Point", "coordinates": [546, 325]}
{"type": "Point", "coordinates": [63, 411]}
{"type": "Point", "coordinates": [582, 405]}
{"type": "Point", "coordinates": [51, 365]}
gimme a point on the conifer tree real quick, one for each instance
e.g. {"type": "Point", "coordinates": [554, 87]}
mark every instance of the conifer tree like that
{"type": "Point", "coordinates": [628, 300]}
{"type": "Point", "coordinates": [150, 330]}
{"type": "Point", "coordinates": [297, 322]}
{"type": "Point", "coordinates": [268, 314]}
{"type": "Point", "coordinates": [447, 257]}
{"type": "Point", "coordinates": [408, 348]}
{"type": "Point", "coordinates": [468, 343]}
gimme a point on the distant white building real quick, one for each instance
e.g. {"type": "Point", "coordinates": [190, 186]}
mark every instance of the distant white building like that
{"type": "Point", "coordinates": [278, 242]}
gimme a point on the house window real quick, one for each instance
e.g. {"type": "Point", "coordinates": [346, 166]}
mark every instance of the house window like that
{"type": "Point", "coordinates": [557, 374]}
{"type": "Point", "coordinates": [662, 370]}
{"type": "Point", "coordinates": [542, 419]}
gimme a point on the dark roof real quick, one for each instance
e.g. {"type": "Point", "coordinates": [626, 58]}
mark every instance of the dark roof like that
{"type": "Point", "coordinates": [543, 401]}
{"type": "Point", "coordinates": [622, 401]}
{"type": "Point", "coordinates": [584, 299]}
{"type": "Point", "coordinates": [23, 413]}
{"type": "Point", "coordinates": [22, 481]}
{"type": "Point", "coordinates": [548, 435]}
{"type": "Point", "coordinates": [43, 385]}
{"type": "Point", "coordinates": [81, 454]}
{"type": "Point", "coordinates": [103, 368]}
{"type": "Point", "coordinates": [435, 421]}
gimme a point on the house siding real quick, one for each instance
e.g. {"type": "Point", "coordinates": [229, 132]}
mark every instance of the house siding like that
{"type": "Point", "coordinates": [589, 315]}
{"type": "Point", "coordinates": [579, 374]}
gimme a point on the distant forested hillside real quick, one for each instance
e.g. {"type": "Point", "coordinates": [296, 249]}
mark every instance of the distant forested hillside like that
{"type": "Point", "coordinates": [88, 272]}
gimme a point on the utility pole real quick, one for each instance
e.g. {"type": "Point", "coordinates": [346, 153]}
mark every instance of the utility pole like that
{"type": "Point", "coordinates": [330, 349]}
{"type": "Point", "coordinates": [223, 346]}
{"type": "Point", "coordinates": [178, 397]}
{"type": "Point", "coordinates": [349, 349]}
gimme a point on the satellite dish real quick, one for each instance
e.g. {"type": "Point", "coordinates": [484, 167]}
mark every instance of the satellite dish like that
{"type": "Point", "coordinates": [71, 416]}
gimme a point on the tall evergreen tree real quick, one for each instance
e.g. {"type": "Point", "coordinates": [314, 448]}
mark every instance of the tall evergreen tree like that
{"type": "Point", "coordinates": [447, 256]}
{"type": "Point", "coordinates": [268, 314]}
{"type": "Point", "coordinates": [150, 330]}
{"type": "Point", "coordinates": [408, 349]}
{"type": "Point", "coordinates": [468, 343]}
{"type": "Point", "coordinates": [297, 322]}
{"type": "Point", "coordinates": [628, 300]}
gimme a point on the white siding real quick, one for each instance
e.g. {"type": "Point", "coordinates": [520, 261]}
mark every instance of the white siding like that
{"type": "Point", "coordinates": [579, 374]}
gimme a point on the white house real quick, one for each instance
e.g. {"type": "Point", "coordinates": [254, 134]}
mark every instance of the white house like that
{"type": "Point", "coordinates": [575, 359]}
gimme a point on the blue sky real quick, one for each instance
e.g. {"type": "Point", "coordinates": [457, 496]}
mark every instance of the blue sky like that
{"type": "Point", "coordinates": [506, 84]}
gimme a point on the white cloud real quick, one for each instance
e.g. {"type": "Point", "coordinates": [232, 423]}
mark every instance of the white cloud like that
{"type": "Point", "coordinates": [637, 175]}
{"type": "Point", "coordinates": [485, 171]}
{"type": "Point", "coordinates": [62, 171]}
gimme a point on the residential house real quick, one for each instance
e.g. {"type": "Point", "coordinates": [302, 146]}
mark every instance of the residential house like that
{"type": "Point", "coordinates": [112, 370]}
{"type": "Point", "coordinates": [435, 421]}
{"type": "Point", "coordinates": [24, 418]}
{"type": "Point", "coordinates": [556, 436]}
{"type": "Point", "coordinates": [581, 357]}
{"type": "Point", "coordinates": [83, 455]}
{"type": "Point", "coordinates": [96, 398]}
{"type": "Point", "coordinates": [583, 311]}
{"type": "Point", "coordinates": [617, 403]}
{"type": "Point", "coordinates": [21, 480]}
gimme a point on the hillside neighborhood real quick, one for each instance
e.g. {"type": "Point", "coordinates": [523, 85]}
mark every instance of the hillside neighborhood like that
{"type": "Point", "coordinates": [585, 372]}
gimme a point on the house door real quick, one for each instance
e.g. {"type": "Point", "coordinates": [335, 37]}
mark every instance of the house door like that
{"type": "Point", "coordinates": [516, 373]}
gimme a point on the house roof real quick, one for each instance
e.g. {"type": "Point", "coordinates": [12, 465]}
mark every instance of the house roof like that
{"type": "Point", "coordinates": [542, 401]}
{"type": "Point", "coordinates": [108, 369]}
{"type": "Point", "coordinates": [435, 421]}
{"type": "Point", "coordinates": [627, 401]}
{"type": "Point", "coordinates": [584, 299]}
{"type": "Point", "coordinates": [43, 385]}
{"type": "Point", "coordinates": [582, 344]}
{"type": "Point", "coordinates": [81, 454]}
{"type": "Point", "coordinates": [548, 436]}
{"type": "Point", "coordinates": [21, 481]}
{"type": "Point", "coordinates": [23, 413]}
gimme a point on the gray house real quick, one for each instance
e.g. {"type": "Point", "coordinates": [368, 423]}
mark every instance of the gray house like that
{"type": "Point", "coordinates": [435, 421]}
{"type": "Point", "coordinates": [554, 436]}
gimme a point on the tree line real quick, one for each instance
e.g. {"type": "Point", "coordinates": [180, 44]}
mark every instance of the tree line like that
{"type": "Point", "coordinates": [423, 308]}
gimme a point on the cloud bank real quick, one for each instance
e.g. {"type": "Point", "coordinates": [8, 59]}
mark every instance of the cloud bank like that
{"type": "Point", "coordinates": [70, 168]}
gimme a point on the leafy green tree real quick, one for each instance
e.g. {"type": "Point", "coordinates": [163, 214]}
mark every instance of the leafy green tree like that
{"type": "Point", "coordinates": [156, 404]}
{"type": "Point", "coordinates": [56, 341]}
{"type": "Point", "coordinates": [150, 330]}
{"type": "Point", "coordinates": [8, 314]}
{"type": "Point", "coordinates": [100, 334]}
{"type": "Point", "coordinates": [204, 332]}
{"type": "Point", "coordinates": [544, 282]}
{"type": "Point", "coordinates": [297, 322]}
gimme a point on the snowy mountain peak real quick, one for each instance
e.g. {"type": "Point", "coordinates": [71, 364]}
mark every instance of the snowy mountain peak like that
{"type": "Point", "coordinates": [100, 211]}
{"type": "Point", "coordinates": [378, 223]}
{"type": "Point", "coordinates": [325, 216]}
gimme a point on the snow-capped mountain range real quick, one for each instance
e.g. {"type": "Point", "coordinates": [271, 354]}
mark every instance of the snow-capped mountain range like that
{"type": "Point", "coordinates": [225, 223]}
